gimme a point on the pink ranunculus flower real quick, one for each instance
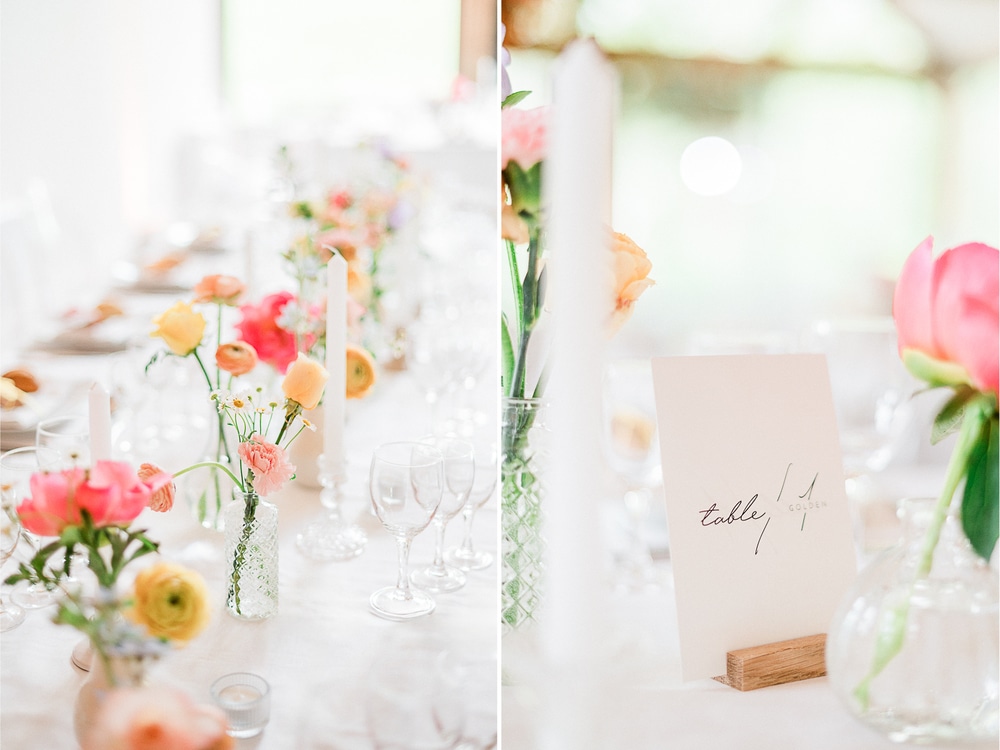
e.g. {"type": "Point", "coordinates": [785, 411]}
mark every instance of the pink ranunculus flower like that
{"type": "Point", "coordinates": [268, 463]}
{"type": "Point", "coordinates": [260, 329]}
{"type": "Point", "coordinates": [946, 313]}
{"type": "Point", "coordinates": [523, 136]}
{"type": "Point", "coordinates": [161, 499]}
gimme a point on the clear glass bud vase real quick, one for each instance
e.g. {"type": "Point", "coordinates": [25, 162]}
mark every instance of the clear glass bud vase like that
{"type": "Point", "coordinates": [522, 472]}
{"type": "Point", "coordinates": [209, 489]}
{"type": "Point", "coordinates": [251, 528]}
{"type": "Point", "coordinates": [941, 685]}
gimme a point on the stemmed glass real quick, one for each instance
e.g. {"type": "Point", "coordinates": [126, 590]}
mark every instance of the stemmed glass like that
{"type": "Point", "coordinates": [11, 615]}
{"type": "Point", "coordinates": [16, 468]}
{"type": "Point", "coordinates": [67, 440]}
{"type": "Point", "coordinates": [406, 482]}
{"type": "Point", "coordinates": [459, 470]}
{"type": "Point", "coordinates": [466, 556]}
{"type": "Point", "coordinates": [631, 447]}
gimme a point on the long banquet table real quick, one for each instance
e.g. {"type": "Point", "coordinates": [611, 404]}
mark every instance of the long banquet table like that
{"type": "Point", "coordinates": [316, 651]}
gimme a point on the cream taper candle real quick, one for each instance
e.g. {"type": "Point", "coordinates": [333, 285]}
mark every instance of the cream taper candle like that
{"type": "Point", "coordinates": [577, 178]}
{"type": "Point", "coordinates": [99, 404]}
{"type": "Point", "coordinates": [336, 362]}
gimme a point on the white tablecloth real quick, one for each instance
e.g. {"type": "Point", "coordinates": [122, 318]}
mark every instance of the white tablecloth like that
{"type": "Point", "coordinates": [315, 652]}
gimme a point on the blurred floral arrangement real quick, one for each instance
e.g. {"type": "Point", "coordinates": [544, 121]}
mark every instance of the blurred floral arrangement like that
{"type": "Point", "coordinates": [947, 315]}
{"type": "Point", "coordinates": [523, 146]}
{"type": "Point", "coordinates": [91, 511]}
{"type": "Point", "coordinates": [356, 221]}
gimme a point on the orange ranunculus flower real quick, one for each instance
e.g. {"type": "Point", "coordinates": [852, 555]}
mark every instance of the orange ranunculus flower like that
{"type": "Point", "coordinates": [162, 498]}
{"type": "Point", "coordinates": [170, 601]}
{"type": "Point", "coordinates": [236, 357]}
{"type": "Point", "coordinates": [220, 289]}
{"type": "Point", "coordinates": [631, 269]}
{"type": "Point", "coordinates": [512, 226]}
{"type": "Point", "coordinates": [361, 373]}
{"type": "Point", "coordinates": [180, 327]}
{"type": "Point", "coordinates": [304, 381]}
{"type": "Point", "coordinates": [359, 284]}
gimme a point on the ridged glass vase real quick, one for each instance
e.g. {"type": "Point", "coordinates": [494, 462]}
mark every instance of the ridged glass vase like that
{"type": "Point", "coordinates": [209, 490]}
{"type": "Point", "coordinates": [523, 462]}
{"type": "Point", "coordinates": [942, 683]}
{"type": "Point", "coordinates": [251, 528]}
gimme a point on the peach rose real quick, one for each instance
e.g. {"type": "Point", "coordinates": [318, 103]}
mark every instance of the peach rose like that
{"type": "Point", "coordinates": [162, 499]}
{"type": "Point", "coordinates": [219, 289]}
{"type": "Point", "coordinates": [946, 313]}
{"type": "Point", "coordinates": [180, 327]}
{"type": "Point", "coordinates": [156, 718]}
{"type": "Point", "coordinates": [361, 373]}
{"type": "Point", "coordinates": [268, 463]}
{"type": "Point", "coordinates": [631, 268]}
{"type": "Point", "coordinates": [304, 381]}
{"type": "Point", "coordinates": [236, 357]}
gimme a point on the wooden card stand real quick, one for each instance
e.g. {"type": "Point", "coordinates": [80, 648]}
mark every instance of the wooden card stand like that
{"type": "Point", "coordinates": [775, 663]}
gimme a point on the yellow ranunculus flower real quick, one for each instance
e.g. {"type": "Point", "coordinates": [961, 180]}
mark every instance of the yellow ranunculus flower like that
{"type": "Point", "coordinates": [360, 372]}
{"type": "Point", "coordinates": [304, 381]}
{"type": "Point", "coordinates": [180, 327]}
{"type": "Point", "coordinates": [171, 602]}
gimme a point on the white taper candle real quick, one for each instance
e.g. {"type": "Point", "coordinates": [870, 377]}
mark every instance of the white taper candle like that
{"type": "Point", "coordinates": [336, 362]}
{"type": "Point", "coordinates": [99, 404]}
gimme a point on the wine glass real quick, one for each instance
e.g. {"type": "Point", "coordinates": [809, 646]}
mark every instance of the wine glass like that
{"type": "Point", "coordinates": [68, 442]}
{"type": "Point", "coordinates": [459, 470]}
{"type": "Point", "coordinates": [432, 358]}
{"type": "Point", "coordinates": [414, 699]}
{"type": "Point", "coordinates": [484, 482]}
{"type": "Point", "coordinates": [406, 483]}
{"type": "Point", "coordinates": [11, 614]}
{"type": "Point", "coordinates": [631, 446]}
{"type": "Point", "coordinates": [16, 468]}
{"type": "Point", "coordinates": [871, 391]}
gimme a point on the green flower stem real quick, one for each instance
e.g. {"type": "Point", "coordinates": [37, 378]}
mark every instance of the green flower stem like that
{"type": "Point", "coordinates": [892, 625]}
{"type": "Point", "coordinates": [213, 464]}
{"type": "Point", "coordinates": [527, 314]}
{"type": "Point", "coordinates": [250, 508]}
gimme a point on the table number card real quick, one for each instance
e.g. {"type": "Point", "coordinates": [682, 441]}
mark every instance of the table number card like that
{"type": "Point", "coordinates": [760, 532]}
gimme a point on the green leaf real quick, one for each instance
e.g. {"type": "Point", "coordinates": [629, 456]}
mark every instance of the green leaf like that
{"type": "Point", "coordinates": [507, 353]}
{"type": "Point", "coordinates": [949, 419]}
{"type": "Point", "coordinates": [981, 501]}
{"type": "Point", "coordinates": [513, 98]}
{"type": "Point", "coordinates": [933, 371]}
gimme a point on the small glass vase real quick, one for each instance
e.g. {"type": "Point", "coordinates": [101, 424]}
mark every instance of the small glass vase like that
{"type": "Point", "coordinates": [251, 528]}
{"type": "Point", "coordinates": [210, 489]}
{"type": "Point", "coordinates": [941, 686]}
{"type": "Point", "coordinates": [523, 459]}
{"type": "Point", "coordinates": [117, 672]}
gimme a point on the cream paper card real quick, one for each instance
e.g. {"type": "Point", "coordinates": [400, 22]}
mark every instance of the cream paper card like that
{"type": "Point", "coordinates": [760, 532]}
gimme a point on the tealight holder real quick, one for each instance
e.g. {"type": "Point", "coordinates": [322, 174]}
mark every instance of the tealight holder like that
{"type": "Point", "coordinates": [331, 537]}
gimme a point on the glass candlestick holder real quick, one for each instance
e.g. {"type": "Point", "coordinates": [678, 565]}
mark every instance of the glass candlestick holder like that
{"type": "Point", "coordinates": [331, 537]}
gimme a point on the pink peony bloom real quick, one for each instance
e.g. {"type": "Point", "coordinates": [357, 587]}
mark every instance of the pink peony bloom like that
{"type": "Point", "coordinates": [111, 492]}
{"type": "Point", "coordinates": [50, 508]}
{"type": "Point", "coordinates": [162, 499]}
{"type": "Point", "coordinates": [523, 136]}
{"type": "Point", "coordinates": [946, 313]}
{"type": "Point", "coordinates": [268, 463]}
{"type": "Point", "coordinates": [260, 329]}
{"type": "Point", "coordinates": [151, 718]}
